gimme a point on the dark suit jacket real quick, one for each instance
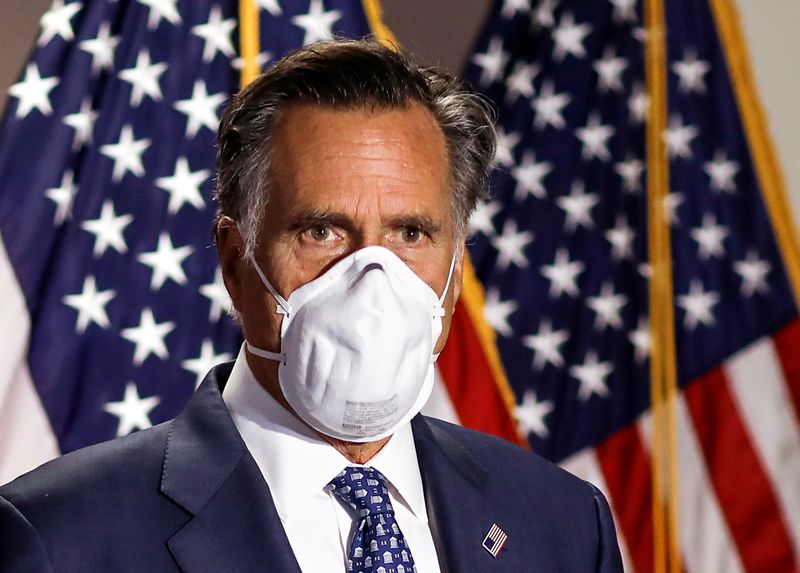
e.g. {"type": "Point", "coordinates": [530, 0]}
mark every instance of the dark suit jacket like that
{"type": "Point", "coordinates": [187, 496]}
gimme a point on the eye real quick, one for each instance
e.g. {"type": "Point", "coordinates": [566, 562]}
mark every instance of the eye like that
{"type": "Point", "coordinates": [320, 234]}
{"type": "Point", "coordinates": [411, 234]}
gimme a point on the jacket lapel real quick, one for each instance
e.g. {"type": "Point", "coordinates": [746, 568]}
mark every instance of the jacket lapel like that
{"type": "Point", "coordinates": [459, 511]}
{"type": "Point", "coordinates": [210, 473]}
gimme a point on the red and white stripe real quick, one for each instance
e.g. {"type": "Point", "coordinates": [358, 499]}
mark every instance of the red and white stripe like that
{"type": "Point", "coordinates": [764, 404]}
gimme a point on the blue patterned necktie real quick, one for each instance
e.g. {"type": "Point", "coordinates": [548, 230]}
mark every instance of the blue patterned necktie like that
{"type": "Point", "coordinates": [378, 544]}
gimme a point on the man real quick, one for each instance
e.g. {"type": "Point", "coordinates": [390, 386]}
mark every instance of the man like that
{"type": "Point", "coordinates": [346, 176]}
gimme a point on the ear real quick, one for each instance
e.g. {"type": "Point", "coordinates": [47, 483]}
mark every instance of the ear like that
{"type": "Point", "coordinates": [230, 252]}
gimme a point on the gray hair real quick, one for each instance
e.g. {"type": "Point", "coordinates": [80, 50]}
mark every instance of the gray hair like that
{"type": "Point", "coordinates": [347, 75]}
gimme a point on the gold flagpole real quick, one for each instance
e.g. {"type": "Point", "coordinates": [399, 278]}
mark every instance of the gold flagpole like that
{"type": "Point", "coordinates": [374, 13]}
{"type": "Point", "coordinates": [663, 377]}
{"type": "Point", "coordinates": [249, 41]}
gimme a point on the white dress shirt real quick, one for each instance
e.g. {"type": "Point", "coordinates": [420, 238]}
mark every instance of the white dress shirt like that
{"type": "Point", "coordinates": [297, 465]}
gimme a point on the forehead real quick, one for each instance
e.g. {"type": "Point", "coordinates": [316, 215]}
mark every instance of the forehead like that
{"type": "Point", "coordinates": [371, 122]}
{"type": "Point", "coordinates": [381, 149]}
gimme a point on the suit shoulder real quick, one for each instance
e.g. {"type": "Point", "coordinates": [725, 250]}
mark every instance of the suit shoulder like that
{"type": "Point", "coordinates": [100, 508]}
{"type": "Point", "coordinates": [564, 522]}
{"type": "Point", "coordinates": [120, 464]}
{"type": "Point", "coordinates": [495, 452]}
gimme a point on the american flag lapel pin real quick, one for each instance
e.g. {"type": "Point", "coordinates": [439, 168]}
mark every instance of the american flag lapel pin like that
{"type": "Point", "coordinates": [494, 540]}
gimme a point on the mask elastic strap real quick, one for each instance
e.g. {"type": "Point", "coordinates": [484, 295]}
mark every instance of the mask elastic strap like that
{"type": "Point", "coordinates": [283, 304]}
{"type": "Point", "coordinates": [440, 309]}
{"type": "Point", "coordinates": [276, 356]}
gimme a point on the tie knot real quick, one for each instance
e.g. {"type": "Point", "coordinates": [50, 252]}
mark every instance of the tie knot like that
{"type": "Point", "coordinates": [363, 489]}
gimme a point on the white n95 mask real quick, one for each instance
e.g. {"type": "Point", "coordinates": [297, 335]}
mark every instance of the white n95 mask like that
{"type": "Point", "coordinates": [356, 360]}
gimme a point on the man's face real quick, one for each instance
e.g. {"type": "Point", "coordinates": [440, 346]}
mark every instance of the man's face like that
{"type": "Point", "coordinates": [341, 181]}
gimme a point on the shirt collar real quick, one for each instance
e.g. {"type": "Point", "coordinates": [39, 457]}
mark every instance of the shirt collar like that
{"type": "Point", "coordinates": [296, 462]}
{"type": "Point", "coordinates": [397, 461]}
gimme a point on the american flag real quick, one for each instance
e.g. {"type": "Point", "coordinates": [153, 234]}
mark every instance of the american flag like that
{"type": "Point", "coordinates": [494, 541]}
{"type": "Point", "coordinates": [561, 250]}
{"type": "Point", "coordinates": [113, 308]}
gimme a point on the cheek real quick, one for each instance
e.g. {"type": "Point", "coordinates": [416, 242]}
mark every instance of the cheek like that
{"type": "Point", "coordinates": [432, 265]}
{"type": "Point", "coordinates": [295, 264]}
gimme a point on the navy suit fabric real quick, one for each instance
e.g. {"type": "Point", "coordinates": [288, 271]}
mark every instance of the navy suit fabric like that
{"type": "Point", "coordinates": [187, 496]}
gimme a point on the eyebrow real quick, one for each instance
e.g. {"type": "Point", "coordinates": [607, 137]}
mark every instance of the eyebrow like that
{"type": "Point", "coordinates": [316, 217]}
{"type": "Point", "coordinates": [422, 222]}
